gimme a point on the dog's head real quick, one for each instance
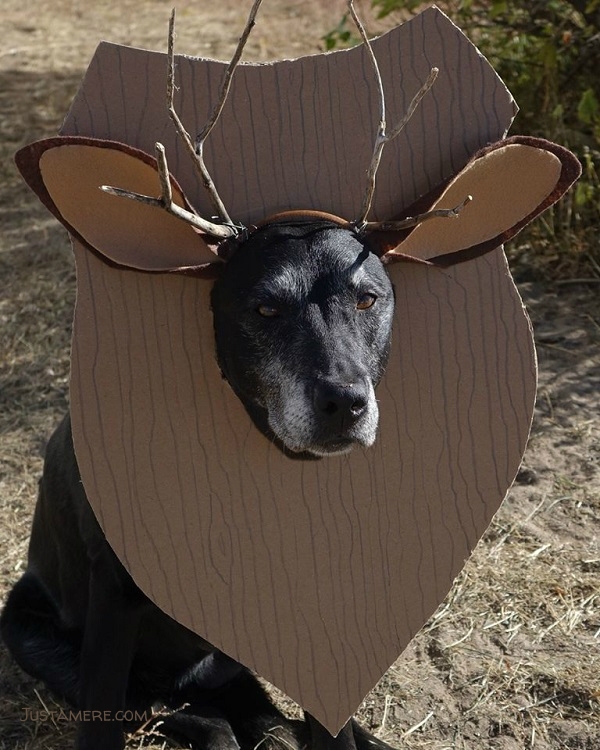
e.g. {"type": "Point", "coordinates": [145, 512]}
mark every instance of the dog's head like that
{"type": "Point", "coordinates": [303, 318]}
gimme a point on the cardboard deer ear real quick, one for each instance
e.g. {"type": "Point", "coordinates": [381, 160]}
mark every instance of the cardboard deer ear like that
{"type": "Point", "coordinates": [66, 173]}
{"type": "Point", "coordinates": [510, 183]}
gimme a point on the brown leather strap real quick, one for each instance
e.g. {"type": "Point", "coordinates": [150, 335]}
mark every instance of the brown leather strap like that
{"type": "Point", "coordinates": [304, 215]}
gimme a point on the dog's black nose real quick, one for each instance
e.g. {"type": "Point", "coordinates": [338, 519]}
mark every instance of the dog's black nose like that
{"type": "Point", "coordinates": [339, 401]}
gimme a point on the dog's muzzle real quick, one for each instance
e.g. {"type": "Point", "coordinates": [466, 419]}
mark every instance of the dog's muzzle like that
{"type": "Point", "coordinates": [327, 418]}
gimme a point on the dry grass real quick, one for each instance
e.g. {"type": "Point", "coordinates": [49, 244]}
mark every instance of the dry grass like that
{"type": "Point", "coordinates": [511, 659]}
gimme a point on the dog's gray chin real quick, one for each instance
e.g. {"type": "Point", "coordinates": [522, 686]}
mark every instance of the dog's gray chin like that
{"type": "Point", "coordinates": [326, 452]}
{"type": "Point", "coordinates": [295, 425]}
{"type": "Point", "coordinates": [339, 447]}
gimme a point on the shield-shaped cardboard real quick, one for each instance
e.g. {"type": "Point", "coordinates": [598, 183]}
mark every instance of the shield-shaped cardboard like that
{"type": "Point", "coordinates": [316, 574]}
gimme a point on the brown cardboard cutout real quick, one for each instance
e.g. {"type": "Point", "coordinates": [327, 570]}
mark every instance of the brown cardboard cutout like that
{"type": "Point", "coordinates": [74, 173]}
{"type": "Point", "coordinates": [494, 178]}
{"type": "Point", "coordinates": [314, 573]}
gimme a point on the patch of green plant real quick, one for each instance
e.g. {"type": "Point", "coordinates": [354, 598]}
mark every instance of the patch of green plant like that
{"type": "Point", "coordinates": [344, 35]}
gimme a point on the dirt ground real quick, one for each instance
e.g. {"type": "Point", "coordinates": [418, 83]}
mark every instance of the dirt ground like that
{"type": "Point", "coordinates": [511, 659]}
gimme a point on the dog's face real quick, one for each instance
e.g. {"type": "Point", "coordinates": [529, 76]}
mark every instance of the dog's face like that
{"type": "Point", "coordinates": [303, 317]}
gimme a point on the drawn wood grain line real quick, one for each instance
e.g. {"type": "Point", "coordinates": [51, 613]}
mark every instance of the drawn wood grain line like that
{"type": "Point", "coordinates": [157, 577]}
{"type": "Point", "coordinates": [116, 305]}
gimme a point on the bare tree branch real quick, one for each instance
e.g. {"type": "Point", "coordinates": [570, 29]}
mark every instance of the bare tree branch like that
{"type": "Point", "coordinates": [227, 78]}
{"type": "Point", "coordinates": [382, 136]}
{"type": "Point", "coordinates": [413, 221]}
{"type": "Point", "coordinates": [166, 191]}
{"type": "Point", "coordinates": [197, 158]}
{"type": "Point", "coordinates": [166, 200]}
{"type": "Point", "coordinates": [375, 64]}
{"type": "Point", "coordinates": [431, 78]}
{"type": "Point", "coordinates": [196, 148]}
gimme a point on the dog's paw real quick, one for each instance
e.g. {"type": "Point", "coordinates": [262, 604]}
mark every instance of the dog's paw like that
{"type": "Point", "coordinates": [203, 732]}
{"type": "Point", "coordinates": [277, 734]}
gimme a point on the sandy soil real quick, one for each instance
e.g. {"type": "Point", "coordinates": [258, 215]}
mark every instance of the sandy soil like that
{"type": "Point", "coordinates": [511, 659]}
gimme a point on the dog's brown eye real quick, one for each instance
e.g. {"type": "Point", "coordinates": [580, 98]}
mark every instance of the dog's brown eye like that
{"type": "Point", "coordinates": [365, 301]}
{"type": "Point", "coordinates": [267, 311]}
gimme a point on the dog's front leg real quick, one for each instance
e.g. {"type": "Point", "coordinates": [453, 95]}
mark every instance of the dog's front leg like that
{"type": "Point", "coordinates": [109, 642]}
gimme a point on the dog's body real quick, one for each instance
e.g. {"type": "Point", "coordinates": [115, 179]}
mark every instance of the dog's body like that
{"type": "Point", "coordinates": [303, 318]}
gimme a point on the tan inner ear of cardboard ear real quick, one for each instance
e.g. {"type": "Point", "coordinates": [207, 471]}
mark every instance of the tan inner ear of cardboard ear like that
{"type": "Point", "coordinates": [507, 185]}
{"type": "Point", "coordinates": [125, 231]}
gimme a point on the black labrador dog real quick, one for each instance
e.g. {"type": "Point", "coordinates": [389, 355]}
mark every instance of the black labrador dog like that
{"type": "Point", "coordinates": [302, 317]}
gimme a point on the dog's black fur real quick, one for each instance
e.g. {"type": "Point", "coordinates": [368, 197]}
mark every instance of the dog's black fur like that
{"type": "Point", "coordinates": [302, 321]}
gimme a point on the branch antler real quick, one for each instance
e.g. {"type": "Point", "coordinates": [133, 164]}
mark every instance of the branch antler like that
{"type": "Point", "coordinates": [413, 221]}
{"type": "Point", "coordinates": [166, 202]}
{"type": "Point", "coordinates": [196, 148]}
{"type": "Point", "coordinates": [227, 228]}
{"type": "Point", "coordinates": [383, 137]}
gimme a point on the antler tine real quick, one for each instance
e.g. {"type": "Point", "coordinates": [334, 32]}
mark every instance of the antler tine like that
{"type": "Point", "coordinates": [227, 229]}
{"type": "Point", "coordinates": [196, 148]}
{"type": "Point", "coordinates": [227, 77]}
{"type": "Point", "coordinates": [166, 200]}
{"type": "Point", "coordinates": [413, 221]}
{"type": "Point", "coordinates": [383, 136]}
{"type": "Point", "coordinates": [197, 159]}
